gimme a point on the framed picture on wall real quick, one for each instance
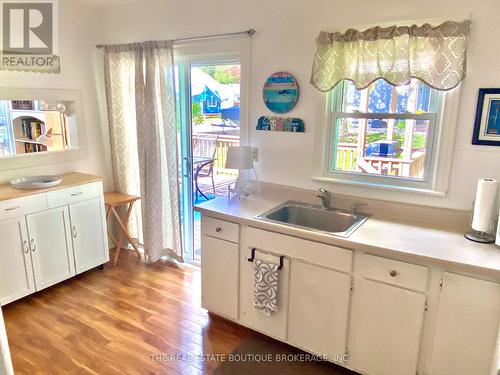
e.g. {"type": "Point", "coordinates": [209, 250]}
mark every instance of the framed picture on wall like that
{"type": "Point", "coordinates": [487, 124]}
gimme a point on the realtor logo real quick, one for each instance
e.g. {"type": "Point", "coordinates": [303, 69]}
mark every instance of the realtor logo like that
{"type": "Point", "coordinates": [29, 35]}
{"type": "Point", "coordinates": [27, 28]}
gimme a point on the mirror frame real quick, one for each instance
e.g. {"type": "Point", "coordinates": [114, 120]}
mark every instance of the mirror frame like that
{"type": "Point", "coordinates": [50, 157]}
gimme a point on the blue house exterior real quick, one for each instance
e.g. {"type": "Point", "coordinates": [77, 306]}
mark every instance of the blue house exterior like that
{"type": "Point", "coordinates": [215, 99]}
{"type": "Point", "coordinates": [209, 101]}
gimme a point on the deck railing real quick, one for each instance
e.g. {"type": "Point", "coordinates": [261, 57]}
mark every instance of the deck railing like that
{"type": "Point", "coordinates": [347, 160]}
{"type": "Point", "coordinates": [347, 155]}
{"type": "Point", "coordinates": [224, 141]}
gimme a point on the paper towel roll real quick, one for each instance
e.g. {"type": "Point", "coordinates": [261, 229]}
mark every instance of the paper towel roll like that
{"type": "Point", "coordinates": [485, 205]}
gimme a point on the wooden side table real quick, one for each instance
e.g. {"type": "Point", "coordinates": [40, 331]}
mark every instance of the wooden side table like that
{"type": "Point", "coordinates": [113, 200]}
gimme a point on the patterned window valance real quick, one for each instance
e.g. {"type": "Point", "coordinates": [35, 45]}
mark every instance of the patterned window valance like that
{"type": "Point", "coordinates": [434, 55]}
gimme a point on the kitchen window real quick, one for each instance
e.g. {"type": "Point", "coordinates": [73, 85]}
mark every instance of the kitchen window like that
{"type": "Point", "coordinates": [384, 131]}
{"type": "Point", "coordinates": [391, 104]}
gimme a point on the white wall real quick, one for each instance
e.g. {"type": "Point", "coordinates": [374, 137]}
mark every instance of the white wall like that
{"type": "Point", "coordinates": [77, 34]}
{"type": "Point", "coordinates": [286, 31]}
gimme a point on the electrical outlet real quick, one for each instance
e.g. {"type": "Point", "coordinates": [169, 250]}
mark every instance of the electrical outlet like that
{"type": "Point", "coordinates": [255, 154]}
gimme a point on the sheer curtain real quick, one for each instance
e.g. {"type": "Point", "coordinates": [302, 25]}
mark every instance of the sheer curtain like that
{"type": "Point", "coordinates": [140, 94]}
{"type": "Point", "coordinates": [435, 55]}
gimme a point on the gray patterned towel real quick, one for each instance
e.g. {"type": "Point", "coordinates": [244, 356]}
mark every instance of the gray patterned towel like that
{"type": "Point", "coordinates": [266, 287]}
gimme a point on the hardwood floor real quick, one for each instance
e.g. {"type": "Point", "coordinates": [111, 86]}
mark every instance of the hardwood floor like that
{"type": "Point", "coordinates": [127, 319]}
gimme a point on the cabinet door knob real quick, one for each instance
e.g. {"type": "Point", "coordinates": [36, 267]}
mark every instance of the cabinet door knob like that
{"type": "Point", "coordinates": [26, 247]}
{"type": "Point", "coordinates": [33, 245]}
{"type": "Point", "coordinates": [393, 273]}
{"type": "Point", "coordinates": [218, 229]}
{"type": "Point", "coordinates": [75, 232]}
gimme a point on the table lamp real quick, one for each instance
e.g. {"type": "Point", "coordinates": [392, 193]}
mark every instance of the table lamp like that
{"type": "Point", "coordinates": [240, 158]}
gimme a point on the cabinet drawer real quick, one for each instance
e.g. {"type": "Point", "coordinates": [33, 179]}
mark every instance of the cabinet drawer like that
{"type": "Point", "coordinates": [220, 229]}
{"type": "Point", "coordinates": [22, 206]}
{"type": "Point", "coordinates": [393, 272]}
{"type": "Point", "coordinates": [57, 198]}
{"type": "Point", "coordinates": [313, 252]}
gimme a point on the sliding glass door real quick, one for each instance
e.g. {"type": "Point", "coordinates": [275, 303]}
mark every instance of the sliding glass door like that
{"type": "Point", "coordinates": [185, 160]}
{"type": "Point", "coordinates": [209, 112]}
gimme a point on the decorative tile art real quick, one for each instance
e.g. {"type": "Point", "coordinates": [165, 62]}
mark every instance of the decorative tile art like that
{"type": "Point", "coordinates": [280, 124]}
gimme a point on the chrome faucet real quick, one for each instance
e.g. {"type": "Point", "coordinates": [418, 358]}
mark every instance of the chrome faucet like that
{"type": "Point", "coordinates": [325, 197]}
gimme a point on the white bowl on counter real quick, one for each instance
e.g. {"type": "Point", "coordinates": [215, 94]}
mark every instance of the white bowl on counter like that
{"type": "Point", "coordinates": [35, 182]}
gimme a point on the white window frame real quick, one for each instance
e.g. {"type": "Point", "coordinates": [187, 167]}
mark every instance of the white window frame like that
{"type": "Point", "coordinates": [440, 143]}
{"type": "Point", "coordinates": [219, 51]}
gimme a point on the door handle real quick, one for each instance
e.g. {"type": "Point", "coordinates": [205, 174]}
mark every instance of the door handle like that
{"type": "Point", "coordinates": [33, 245]}
{"type": "Point", "coordinates": [187, 169]}
{"type": "Point", "coordinates": [74, 231]}
{"type": "Point", "coordinates": [26, 247]}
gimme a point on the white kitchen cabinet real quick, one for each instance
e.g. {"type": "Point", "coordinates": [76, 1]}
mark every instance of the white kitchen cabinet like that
{"type": "Point", "coordinates": [467, 327]}
{"type": "Point", "coordinates": [284, 324]}
{"type": "Point", "coordinates": [274, 325]}
{"type": "Point", "coordinates": [385, 328]}
{"type": "Point", "coordinates": [50, 245]}
{"type": "Point", "coordinates": [16, 273]}
{"type": "Point", "coordinates": [219, 276]}
{"type": "Point", "coordinates": [383, 322]}
{"type": "Point", "coordinates": [318, 309]}
{"type": "Point", "coordinates": [88, 233]}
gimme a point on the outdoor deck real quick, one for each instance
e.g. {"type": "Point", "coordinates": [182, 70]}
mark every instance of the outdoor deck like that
{"type": "Point", "coordinates": [349, 160]}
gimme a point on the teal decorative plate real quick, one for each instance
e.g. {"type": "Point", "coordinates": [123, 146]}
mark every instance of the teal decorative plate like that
{"type": "Point", "coordinates": [280, 92]}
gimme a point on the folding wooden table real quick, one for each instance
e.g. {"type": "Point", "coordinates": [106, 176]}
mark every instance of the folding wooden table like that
{"type": "Point", "coordinates": [113, 200]}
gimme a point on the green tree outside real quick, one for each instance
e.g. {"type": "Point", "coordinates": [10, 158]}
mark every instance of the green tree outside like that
{"type": "Point", "coordinates": [198, 118]}
{"type": "Point", "coordinates": [225, 74]}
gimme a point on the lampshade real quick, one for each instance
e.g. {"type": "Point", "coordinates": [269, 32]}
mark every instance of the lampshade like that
{"type": "Point", "coordinates": [239, 157]}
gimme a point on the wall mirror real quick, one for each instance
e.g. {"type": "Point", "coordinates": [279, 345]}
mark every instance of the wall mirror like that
{"type": "Point", "coordinates": [29, 126]}
{"type": "Point", "coordinates": [39, 126]}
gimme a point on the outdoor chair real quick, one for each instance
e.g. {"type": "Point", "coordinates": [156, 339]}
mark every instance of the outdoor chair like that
{"type": "Point", "coordinates": [204, 151]}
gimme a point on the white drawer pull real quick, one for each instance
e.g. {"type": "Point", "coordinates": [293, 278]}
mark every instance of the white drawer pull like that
{"type": "Point", "coordinates": [75, 232]}
{"type": "Point", "coordinates": [218, 229]}
{"type": "Point", "coordinates": [76, 194]}
{"type": "Point", "coordinates": [393, 273]}
{"type": "Point", "coordinates": [12, 208]}
{"type": "Point", "coordinates": [26, 247]}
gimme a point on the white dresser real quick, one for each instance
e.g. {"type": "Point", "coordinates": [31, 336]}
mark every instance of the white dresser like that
{"type": "Point", "coordinates": [50, 235]}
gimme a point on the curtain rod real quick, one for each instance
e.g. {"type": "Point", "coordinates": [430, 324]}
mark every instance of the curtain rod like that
{"type": "Point", "coordinates": [249, 32]}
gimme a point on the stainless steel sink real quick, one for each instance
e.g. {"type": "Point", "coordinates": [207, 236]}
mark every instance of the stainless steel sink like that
{"type": "Point", "coordinates": [307, 216]}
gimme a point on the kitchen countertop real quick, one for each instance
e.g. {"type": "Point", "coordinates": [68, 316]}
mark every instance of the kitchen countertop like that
{"type": "Point", "coordinates": [416, 242]}
{"type": "Point", "coordinates": [69, 179]}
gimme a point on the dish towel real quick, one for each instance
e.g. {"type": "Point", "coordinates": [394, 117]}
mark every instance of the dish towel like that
{"type": "Point", "coordinates": [266, 287]}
